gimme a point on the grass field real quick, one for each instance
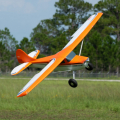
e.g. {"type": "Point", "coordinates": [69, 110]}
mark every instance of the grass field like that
{"type": "Point", "coordinates": [56, 100]}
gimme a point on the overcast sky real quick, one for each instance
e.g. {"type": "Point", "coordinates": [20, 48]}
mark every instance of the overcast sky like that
{"type": "Point", "coordinates": [21, 16]}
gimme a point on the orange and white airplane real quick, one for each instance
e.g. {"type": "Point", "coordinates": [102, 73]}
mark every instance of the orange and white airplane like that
{"type": "Point", "coordinates": [65, 59]}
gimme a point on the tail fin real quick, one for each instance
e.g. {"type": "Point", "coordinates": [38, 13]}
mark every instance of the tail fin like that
{"type": "Point", "coordinates": [22, 57]}
{"type": "Point", "coordinates": [25, 59]}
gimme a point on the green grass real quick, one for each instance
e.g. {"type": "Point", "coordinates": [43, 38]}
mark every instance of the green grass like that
{"type": "Point", "coordinates": [56, 100]}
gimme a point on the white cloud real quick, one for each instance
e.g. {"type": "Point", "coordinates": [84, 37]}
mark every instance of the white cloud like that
{"type": "Point", "coordinates": [16, 6]}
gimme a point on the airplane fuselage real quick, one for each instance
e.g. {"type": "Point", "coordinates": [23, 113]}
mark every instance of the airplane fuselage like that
{"type": "Point", "coordinates": [76, 63]}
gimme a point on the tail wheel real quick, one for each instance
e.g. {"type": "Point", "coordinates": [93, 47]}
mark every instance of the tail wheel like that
{"type": "Point", "coordinates": [72, 83]}
{"type": "Point", "coordinates": [89, 67]}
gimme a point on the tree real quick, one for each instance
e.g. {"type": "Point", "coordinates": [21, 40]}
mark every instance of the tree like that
{"type": "Point", "coordinates": [51, 35]}
{"type": "Point", "coordinates": [5, 58]}
{"type": "Point", "coordinates": [26, 45]}
{"type": "Point", "coordinates": [108, 54]}
{"type": "Point", "coordinates": [43, 35]}
{"type": "Point", "coordinates": [93, 49]}
{"type": "Point", "coordinates": [9, 41]}
{"type": "Point", "coordinates": [8, 47]}
{"type": "Point", "coordinates": [111, 21]}
{"type": "Point", "coordinates": [70, 15]}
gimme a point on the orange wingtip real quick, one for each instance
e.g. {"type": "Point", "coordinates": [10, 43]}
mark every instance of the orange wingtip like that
{"type": "Point", "coordinates": [21, 94]}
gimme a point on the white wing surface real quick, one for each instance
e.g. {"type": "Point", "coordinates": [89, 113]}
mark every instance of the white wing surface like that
{"type": "Point", "coordinates": [80, 30]}
{"type": "Point", "coordinates": [33, 82]}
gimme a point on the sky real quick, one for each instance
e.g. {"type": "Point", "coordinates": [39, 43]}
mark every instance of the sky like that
{"type": "Point", "coordinates": [21, 16]}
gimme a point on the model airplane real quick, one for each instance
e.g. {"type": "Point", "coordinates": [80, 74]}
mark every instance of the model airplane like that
{"type": "Point", "coordinates": [66, 59]}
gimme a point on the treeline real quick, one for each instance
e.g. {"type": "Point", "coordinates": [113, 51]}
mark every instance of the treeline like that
{"type": "Point", "coordinates": [101, 45]}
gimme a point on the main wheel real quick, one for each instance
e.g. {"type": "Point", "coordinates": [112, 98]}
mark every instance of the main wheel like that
{"type": "Point", "coordinates": [72, 83]}
{"type": "Point", "coordinates": [90, 66]}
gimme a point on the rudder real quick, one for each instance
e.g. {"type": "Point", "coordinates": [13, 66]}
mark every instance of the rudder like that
{"type": "Point", "coordinates": [22, 57]}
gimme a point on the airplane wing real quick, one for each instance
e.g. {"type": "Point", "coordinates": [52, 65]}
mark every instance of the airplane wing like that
{"type": "Point", "coordinates": [79, 35]}
{"type": "Point", "coordinates": [58, 58]}
{"type": "Point", "coordinates": [39, 77]}
{"type": "Point", "coordinates": [84, 29]}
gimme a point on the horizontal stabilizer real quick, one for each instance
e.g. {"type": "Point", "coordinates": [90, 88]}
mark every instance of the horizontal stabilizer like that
{"type": "Point", "coordinates": [20, 68]}
{"type": "Point", "coordinates": [22, 56]}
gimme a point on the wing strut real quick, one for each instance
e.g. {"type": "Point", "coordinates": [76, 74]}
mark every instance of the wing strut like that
{"type": "Point", "coordinates": [81, 47]}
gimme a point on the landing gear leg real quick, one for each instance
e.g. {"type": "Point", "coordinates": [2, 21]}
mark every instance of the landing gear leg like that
{"type": "Point", "coordinates": [73, 74]}
{"type": "Point", "coordinates": [73, 82]}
